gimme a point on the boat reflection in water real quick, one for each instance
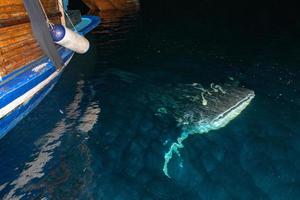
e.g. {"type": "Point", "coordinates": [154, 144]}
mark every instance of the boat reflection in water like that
{"type": "Point", "coordinates": [76, 121]}
{"type": "Point", "coordinates": [111, 5]}
{"type": "Point", "coordinates": [108, 38]}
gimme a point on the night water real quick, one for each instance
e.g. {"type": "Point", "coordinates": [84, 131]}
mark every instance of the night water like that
{"type": "Point", "coordinates": [95, 136]}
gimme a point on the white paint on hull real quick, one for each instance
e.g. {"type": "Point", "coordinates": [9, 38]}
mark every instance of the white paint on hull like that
{"type": "Point", "coordinates": [29, 94]}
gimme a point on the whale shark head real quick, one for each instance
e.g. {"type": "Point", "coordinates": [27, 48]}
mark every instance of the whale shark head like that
{"type": "Point", "coordinates": [233, 109]}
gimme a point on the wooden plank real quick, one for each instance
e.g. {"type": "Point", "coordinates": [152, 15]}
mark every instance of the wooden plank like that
{"type": "Point", "coordinates": [7, 33]}
{"type": "Point", "coordinates": [21, 20]}
{"type": "Point", "coordinates": [14, 46]}
{"type": "Point", "coordinates": [45, 3]}
{"type": "Point", "coordinates": [20, 49]}
{"type": "Point", "coordinates": [21, 59]}
{"type": "Point", "coordinates": [15, 34]}
{"type": "Point", "coordinates": [13, 8]}
{"type": "Point", "coordinates": [11, 2]}
{"type": "Point", "coordinates": [20, 11]}
{"type": "Point", "coordinates": [15, 40]}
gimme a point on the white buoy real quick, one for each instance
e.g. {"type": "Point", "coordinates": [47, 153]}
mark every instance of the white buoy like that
{"type": "Point", "coordinates": [69, 39]}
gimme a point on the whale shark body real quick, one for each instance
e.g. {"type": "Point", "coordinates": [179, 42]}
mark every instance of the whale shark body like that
{"type": "Point", "coordinates": [188, 108]}
{"type": "Point", "coordinates": [198, 110]}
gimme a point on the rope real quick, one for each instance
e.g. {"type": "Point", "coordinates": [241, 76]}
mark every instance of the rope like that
{"type": "Point", "coordinates": [50, 23]}
{"type": "Point", "coordinates": [67, 16]}
{"type": "Point", "coordinates": [46, 17]}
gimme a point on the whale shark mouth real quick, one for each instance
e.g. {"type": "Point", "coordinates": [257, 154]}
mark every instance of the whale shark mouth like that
{"type": "Point", "coordinates": [198, 110]}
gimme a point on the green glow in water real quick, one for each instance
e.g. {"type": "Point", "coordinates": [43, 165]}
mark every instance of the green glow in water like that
{"type": "Point", "coordinates": [219, 122]}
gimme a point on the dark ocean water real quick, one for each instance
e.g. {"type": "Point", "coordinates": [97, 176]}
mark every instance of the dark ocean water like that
{"type": "Point", "coordinates": [94, 138]}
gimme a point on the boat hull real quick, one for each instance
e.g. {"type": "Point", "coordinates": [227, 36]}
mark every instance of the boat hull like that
{"type": "Point", "coordinates": [11, 120]}
{"type": "Point", "coordinates": [23, 90]}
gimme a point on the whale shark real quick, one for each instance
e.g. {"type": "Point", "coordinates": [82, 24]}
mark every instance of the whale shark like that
{"type": "Point", "coordinates": [178, 110]}
{"type": "Point", "coordinates": [198, 110]}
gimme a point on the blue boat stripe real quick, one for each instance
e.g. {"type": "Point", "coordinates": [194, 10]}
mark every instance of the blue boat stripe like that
{"type": "Point", "coordinates": [24, 85]}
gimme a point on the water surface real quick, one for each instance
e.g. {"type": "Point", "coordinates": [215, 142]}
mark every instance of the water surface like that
{"type": "Point", "coordinates": [94, 138]}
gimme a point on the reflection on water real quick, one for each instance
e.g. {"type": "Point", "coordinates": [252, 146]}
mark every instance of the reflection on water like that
{"type": "Point", "coordinates": [110, 142]}
{"type": "Point", "coordinates": [47, 144]}
{"type": "Point", "coordinates": [89, 118]}
{"type": "Point", "coordinates": [96, 6]}
{"type": "Point", "coordinates": [114, 27]}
